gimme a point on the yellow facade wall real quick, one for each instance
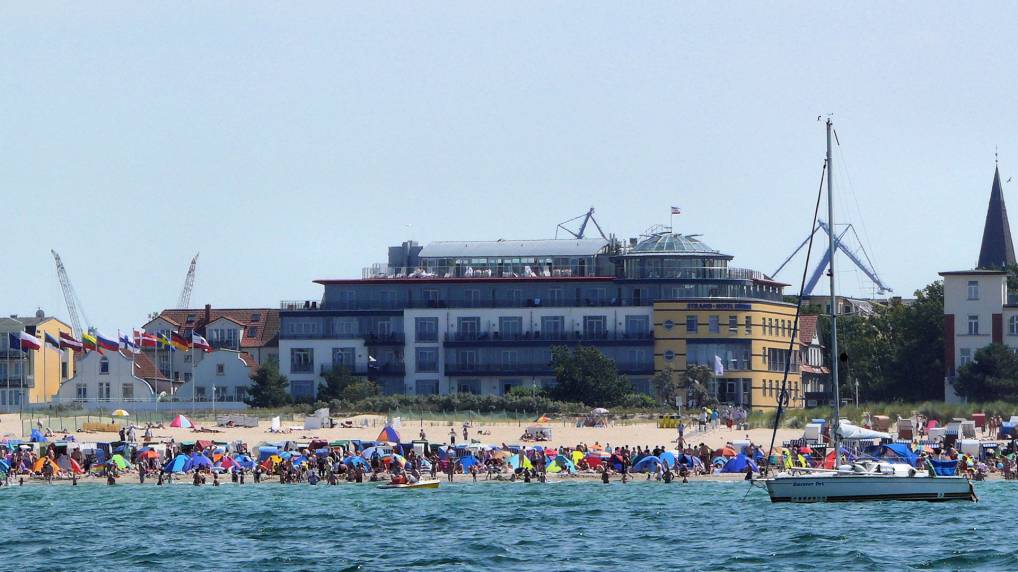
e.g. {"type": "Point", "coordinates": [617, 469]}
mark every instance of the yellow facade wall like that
{"type": "Point", "coordinates": [45, 369]}
{"type": "Point", "coordinates": [769, 328]}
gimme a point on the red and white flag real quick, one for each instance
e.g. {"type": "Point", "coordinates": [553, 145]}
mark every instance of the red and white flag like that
{"type": "Point", "coordinates": [68, 342]}
{"type": "Point", "coordinates": [28, 341]}
{"type": "Point", "coordinates": [676, 210]}
{"type": "Point", "coordinates": [145, 340]}
{"type": "Point", "coordinates": [200, 343]}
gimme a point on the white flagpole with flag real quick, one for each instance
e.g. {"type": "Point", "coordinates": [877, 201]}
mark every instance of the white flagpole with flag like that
{"type": "Point", "coordinates": [719, 370]}
{"type": "Point", "coordinates": [671, 221]}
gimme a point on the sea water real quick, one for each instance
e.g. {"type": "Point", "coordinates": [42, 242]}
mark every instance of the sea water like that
{"type": "Point", "coordinates": [484, 526]}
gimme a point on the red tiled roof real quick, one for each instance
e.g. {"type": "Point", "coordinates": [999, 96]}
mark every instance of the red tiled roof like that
{"type": "Point", "coordinates": [807, 329]}
{"type": "Point", "coordinates": [249, 361]}
{"type": "Point", "coordinates": [267, 333]}
{"type": "Point", "coordinates": [143, 366]}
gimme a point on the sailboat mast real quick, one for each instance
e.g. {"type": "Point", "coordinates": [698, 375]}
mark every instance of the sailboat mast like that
{"type": "Point", "coordinates": [836, 422]}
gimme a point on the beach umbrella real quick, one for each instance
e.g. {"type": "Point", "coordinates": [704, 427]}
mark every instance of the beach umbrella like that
{"type": "Point", "coordinates": [197, 462]}
{"type": "Point", "coordinates": [120, 413]}
{"type": "Point", "coordinates": [370, 452]}
{"type": "Point", "coordinates": [647, 464]}
{"type": "Point", "coordinates": [244, 462]}
{"type": "Point", "coordinates": [176, 464]}
{"type": "Point", "coordinates": [725, 452]}
{"type": "Point", "coordinates": [119, 461]}
{"type": "Point", "coordinates": [353, 461]}
{"type": "Point", "coordinates": [399, 459]}
{"type": "Point", "coordinates": [181, 421]}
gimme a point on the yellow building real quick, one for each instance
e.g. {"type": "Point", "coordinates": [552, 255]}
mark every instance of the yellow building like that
{"type": "Point", "coordinates": [750, 338]}
{"type": "Point", "coordinates": [44, 369]}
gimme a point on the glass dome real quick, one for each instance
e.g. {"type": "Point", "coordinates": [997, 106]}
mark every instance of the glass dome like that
{"type": "Point", "coordinates": [672, 243]}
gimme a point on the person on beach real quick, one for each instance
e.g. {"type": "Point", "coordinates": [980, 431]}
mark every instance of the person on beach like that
{"type": "Point", "coordinates": [452, 436]}
{"type": "Point", "coordinates": [215, 479]}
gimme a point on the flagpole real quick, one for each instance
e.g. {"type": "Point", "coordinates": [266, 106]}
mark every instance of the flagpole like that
{"type": "Point", "coordinates": [194, 385]}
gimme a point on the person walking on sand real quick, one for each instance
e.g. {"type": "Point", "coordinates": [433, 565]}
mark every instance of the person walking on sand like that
{"type": "Point", "coordinates": [452, 436]}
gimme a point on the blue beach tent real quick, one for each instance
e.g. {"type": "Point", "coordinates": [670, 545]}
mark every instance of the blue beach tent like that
{"type": "Point", "coordinates": [646, 464]}
{"type": "Point", "coordinates": [353, 461]}
{"type": "Point", "coordinates": [197, 462]}
{"type": "Point", "coordinates": [266, 452]}
{"type": "Point", "coordinates": [738, 464]}
{"type": "Point", "coordinates": [668, 458]}
{"type": "Point", "coordinates": [176, 464]}
{"type": "Point", "coordinates": [37, 436]}
{"type": "Point", "coordinates": [468, 461]}
{"type": "Point", "coordinates": [244, 462]}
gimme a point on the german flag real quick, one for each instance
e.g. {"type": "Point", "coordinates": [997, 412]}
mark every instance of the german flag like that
{"type": "Point", "coordinates": [180, 342]}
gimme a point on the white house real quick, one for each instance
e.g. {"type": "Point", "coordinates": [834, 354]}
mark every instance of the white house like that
{"type": "Point", "coordinates": [114, 377]}
{"type": "Point", "coordinates": [228, 371]}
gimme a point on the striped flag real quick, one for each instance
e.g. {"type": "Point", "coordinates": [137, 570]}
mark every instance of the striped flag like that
{"type": "Point", "coordinates": [90, 342]}
{"type": "Point", "coordinates": [200, 343]}
{"type": "Point", "coordinates": [180, 342]}
{"type": "Point", "coordinates": [51, 341]}
{"type": "Point", "coordinates": [67, 342]}
{"type": "Point", "coordinates": [107, 343]}
{"type": "Point", "coordinates": [676, 210]}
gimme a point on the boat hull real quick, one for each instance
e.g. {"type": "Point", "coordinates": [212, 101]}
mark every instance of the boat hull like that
{"type": "Point", "coordinates": [851, 488]}
{"type": "Point", "coordinates": [418, 485]}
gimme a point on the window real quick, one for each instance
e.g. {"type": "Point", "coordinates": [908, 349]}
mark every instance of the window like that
{"type": "Point", "coordinates": [553, 327]}
{"type": "Point", "coordinates": [383, 328]}
{"type": "Point", "coordinates": [303, 327]}
{"type": "Point", "coordinates": [427, 359]}
{"type": "Point", "coordinates": [749, 325]}
{"type": "Point", "coordinates": [637, 326]}
{"type": "Point", "coordinates": [973, 325]}
{"type": "Point", "coordinates": [965, 356]}
{"type": "Point", "coordinates": [302, 360]}
{"type": "Point", "coordinates": [1012, 325]}
{"type": "Point", "coordinates": [691, 324]}
{"type": "Point", "coordinates": [200, 392]}
{"type": "Point", "coordinates": [555, 297]}
{"type": "Point", "coordinates": [510, 359]}
{"type": "Point", "coordinates": [190, 318]}
{"type": "Point", "coordinates": [472, 298]}
{"type": "Point", "coordinates": [510, 327]}
{"type": "Point", "coordinates": [343, 357]}
{"type": "Point", "coordinates": [127, 391]}
{"type": "Point", "coordinates": [80, 391]}
{"type": "Point", "coordinates": [104, 366]}
{"type": "Point", "coordinates": [252, 331]}
{"type": "Point", "coordinates": [63, 370]}
{"type": "Point", "coordinates": [595, 326]}
{"type": "Point", "coordinates": [973, 289]}
{"type": "Point", "coordinates": [516, 298]}
{"type": "Point", "coordinates": [426, 329]}
{"type": "Point", "coordinates": [220, 369]}
{"type": "Point", "coordinates": [187, 376]}
{"type": "Point", "coordinates": [104, 391]}
{"type": "Point", "coordinates": [430, 296]}
{"type": "Point", "coordinates": [467, 359]}
{"type": "Point", "coordinates": [256, 317]}
{"type": "Point", "coordinates": [228, 338]}
{"type": "Point", "coordinates": [714, 325]}
{"type": "Point", "coordinates": [733, 324]}
{"type": "Point", "coordinates": [345, 327]}
{"type": "Point", "coordinates": [469, 328]}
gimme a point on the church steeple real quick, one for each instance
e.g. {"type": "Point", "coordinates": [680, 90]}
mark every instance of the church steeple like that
{"type": "Point", "coordinates": [997, 250]}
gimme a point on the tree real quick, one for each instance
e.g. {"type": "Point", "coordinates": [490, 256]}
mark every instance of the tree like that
{"type": "Point", "coordinates": [992, 375]}
{"type": "Point", "coordinates": [358, 389]}
{"type": "Point", "coordinates": [334, 382]}
{"type": "Point", "coordinates": [268, 388]}
{"type": "Point", "coordinates": [586, 375]}
{"type": "Point", "coordinates": [696, 385]}
{"type": "Point", "coordinates": [896, 353]}
{"type": "Point", "coordinates": [666, 386]}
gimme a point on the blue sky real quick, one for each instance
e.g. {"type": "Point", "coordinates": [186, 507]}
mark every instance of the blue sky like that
{"type": "Point", "coordinates": [288, 144]}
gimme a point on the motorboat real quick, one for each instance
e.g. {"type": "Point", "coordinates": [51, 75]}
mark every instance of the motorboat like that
{"type": "Point", "coordinates": [422, 484]}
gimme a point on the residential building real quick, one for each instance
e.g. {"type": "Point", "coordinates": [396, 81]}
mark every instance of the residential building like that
{"type": "Point", "coordinates": [119, 377]}
{"type": "Point", "coordinates": [44, 369]}
{"type": "Point", "coordinates": [816, 376]}
{"type": "Point", "coordinates": [253, 331]}
{"type": "Point", "coordinates": [483, 317]}
{"type": "Point", "coordinates": [223, 373]}
{"type": "Point", "coordinates": [978, 309]}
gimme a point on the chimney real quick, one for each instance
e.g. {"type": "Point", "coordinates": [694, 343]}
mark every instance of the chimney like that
{"type": "Point", "coordinates": [208, 313]}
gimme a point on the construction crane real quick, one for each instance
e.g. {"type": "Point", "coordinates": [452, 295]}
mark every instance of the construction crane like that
{"type": "Point", "coordinates": [185, 294]}
{"type": "Point", "coordinates": [587, 217]}
{"type": "Point", "coordinates": [74, 306]}
{"type": "Point", "coordinates": [863, 263]}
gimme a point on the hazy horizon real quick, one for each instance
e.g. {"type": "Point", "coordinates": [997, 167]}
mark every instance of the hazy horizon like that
{"type": "Point", "coordinates": [288, 145]}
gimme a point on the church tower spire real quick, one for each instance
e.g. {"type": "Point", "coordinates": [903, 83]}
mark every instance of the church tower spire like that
{"type": "Point", "coordinates": [997, 250]}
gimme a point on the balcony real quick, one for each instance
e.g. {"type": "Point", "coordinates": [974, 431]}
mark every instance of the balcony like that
{"type": "Point", "coordinates": [536, 338]}
{"type": "Point", "coordinates": [532, 369]}
{"type": "Point", "coordinates": [390, 306]}
{"type": "Point", "coordinates": [372, 370]}
{"type": "Point", "coordinates": [391, 339]}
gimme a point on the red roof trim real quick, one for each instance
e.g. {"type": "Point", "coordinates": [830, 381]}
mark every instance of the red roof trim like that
{"type": "Point", "coordinates": [350, 281]}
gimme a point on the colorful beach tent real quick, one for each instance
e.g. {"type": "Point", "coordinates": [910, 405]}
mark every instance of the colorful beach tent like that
{"type": "Point", "coordinates": [176, 464]}
{"type": "Point", "coordinates": [42, 462]}
{"type": "Point", "coordinates": [119, 461]}
{"type": "Point", "coordinates": [266, 452]}
{"type": "Point", "coordinates": [738, 464]}
{"type": "Point", "coordinates": [647, 464]}
{"type": "Point", "coordinates": [197, 462]}
{"type": "Point", "coordinates": [388, 435]}
{"type": "Point", "coordinates": [353, 461]}
{"type": "Point", "coordinates": [181, 421]}
{"type": "Point", "coordinates": [561, 463]}
{"type": "Point", "coordinates": [514, 462]}
{"type": "Point", "coordinates": [244, 462]}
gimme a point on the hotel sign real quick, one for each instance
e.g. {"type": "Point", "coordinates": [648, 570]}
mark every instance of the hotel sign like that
{"type": "Point", "coordinates": [718, 306]}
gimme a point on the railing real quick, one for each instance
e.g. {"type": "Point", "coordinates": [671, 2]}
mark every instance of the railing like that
{"type": "Point", "coordinates": [371, 370]}
{"type": "Point", "coordinates": [506, 369]}
{"type": "Point", "coordinates": [534, 302]}
{"type": "Point", "coordinates": [539, 337]}
{"type": "Point", "coordinates": [699, 273]}
{"type": "Point", "coordinates": [396, 338]}
{"type": "Point", "coordinates": [530, 269]}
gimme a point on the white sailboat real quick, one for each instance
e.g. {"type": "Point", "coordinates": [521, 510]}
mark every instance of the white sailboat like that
{"type": "Point", "coordinates": [862, 480]}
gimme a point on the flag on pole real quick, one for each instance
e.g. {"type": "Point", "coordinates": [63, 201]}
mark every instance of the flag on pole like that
{"type": "Point", "coordinates": [90, 342]}
{"type": "Point", "coordinates": [145, 340]}
{"type": "Point", "coordinates": [24, 341]}
{"type": "Point", "coordinates": [107, 343]}
{"type": "Point", "coordinates": [67, 342]}
{"type": "Point", "coordinates": [127, 344]}
{"type": "Point", "coordinates": [180, 342]}
{"type": "Point", "coordinates": [166, 343]}
{"type": "Point", "coordinates": [719, 368]}
{"type": "Point", "coordinates": [200, 343]}
{"type": "Point", "coordinates": [676, 210]}
{"type": "Point", "coordinates": [51, 341]}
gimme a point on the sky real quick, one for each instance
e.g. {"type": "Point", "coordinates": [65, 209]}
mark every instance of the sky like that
{"type": "Point", "coordinates": [289, 142]}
